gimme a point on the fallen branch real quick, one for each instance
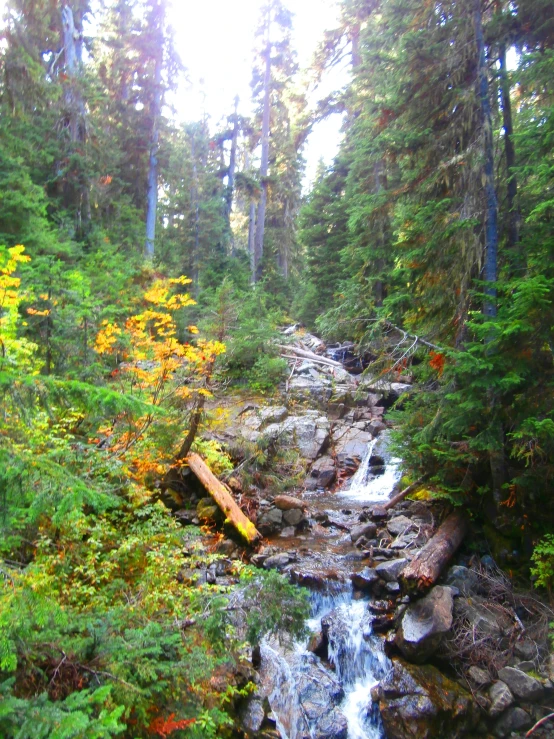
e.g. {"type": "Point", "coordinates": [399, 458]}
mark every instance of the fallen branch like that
{"type": "Point", "coordinates": [426, 567]}
{"type": "Point", "coordinates": [309, 355]}
{"type": "Point", "coordinates": [222, 496]}
{"type": "Point", "coordinates": [404, 493]}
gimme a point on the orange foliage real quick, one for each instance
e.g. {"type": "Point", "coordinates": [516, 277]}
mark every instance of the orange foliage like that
{"type": "Point", "coordinates": [437, 361]}
{"type": "Point", "coordinates": [164, 727]}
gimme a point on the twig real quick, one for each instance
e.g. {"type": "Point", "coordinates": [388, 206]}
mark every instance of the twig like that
{"type": "Point", "coordinates": [540, 723]}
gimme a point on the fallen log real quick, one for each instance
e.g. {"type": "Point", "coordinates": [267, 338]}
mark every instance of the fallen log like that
{"type": "Point", "coordinates": [222, 496]}
{"type": "Point", "coordinates": [426, 567]}
{"type": "Point", "coordinates": [397, 498]}
{"type": "Point", "coordinates": [309, 355]}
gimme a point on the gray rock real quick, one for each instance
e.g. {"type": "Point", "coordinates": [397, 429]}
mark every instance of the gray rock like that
{"type": "Point", "coordinates": [526, 650]}
{"type": "Point", "coordinates": [365, 579]}
{"type": "Point", "coordinates": [478, 675]}
{"type": "Point", "coordinates": [376, 427]}
{"type": "Point", "coordinates": [421, 703]}
{"type": "Point", "coordinates": [332, 726]}
{"type": "Point", "coordinates": [483, 619]}
{"type": "Point", "coordinates": [293, 517]}
{"type": "Point", "coordinates": [307, 433]}
{"type": "Point", "coordinates": [393, 588]}
{"type": "Point", "coordinates": [288, 503]}
{"type": "Point", "coordinates": [390, 571]}
{"type": "Point", "coordinates": [501, 698]}
{"type": "Point", "coordinates": [515, 719]}
{"type": "Point", "coordinates": [522, 685]}
{"type": "Point", "coordinates": [277, 561]}
{"type": "Point", "coordinates": [349, 443]}
{"type": "Point", "coordinates": [399, 525]}
{"type": "Point", "coordinates": [463, 578]}
{"type": "Point", "coordinates": [252, 715]}
{"type": "Point", "coordinates": [525, 666]}
{"type": "Point", "coordinates": [324, 472]}
{"type": "Point", "coordinates": [269, 521]}
{"type": "Point", "coordinates": [287, 532]}
{"type": "Point", "coordinates": [424, 625]}
{"type": "Point", "coordinates": [365, 529]}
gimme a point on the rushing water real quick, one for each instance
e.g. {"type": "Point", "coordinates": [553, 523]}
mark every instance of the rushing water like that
{"type": "Point", "coordinates": [312, 698]}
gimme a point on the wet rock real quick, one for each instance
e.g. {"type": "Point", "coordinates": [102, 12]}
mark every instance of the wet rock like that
{"type": "Point", "coordinates": [390, 571]}
{"type": "Point", "coordinates": [501, 698]}
{"type": "Point", "coordinates": [424, 625]}
{"type": "Point", "coordinates": [478, 675]}
{"type": "Point", "coordinates": [270, 521]}
{"type": "Point", "coordinates": [324, 472]}
{"type": "Point", "coordinates": [463, 578]}
{"type": "Point", "coordinates": [332, 726]}
{"type": "Point", "coordinates": [515, 719]}
{"type": "Point", "coordinates": [365, 579]}
{"type": "Point", "coordinates": [376, 427]}
{"type": "Point", "coordinates": [288, 531]}
{"type": "Point", "coordinates": [421, 703]}
{"type": "Point", "coordinates": [350, 443]}
{"type": "Point", "coordinates": [278, 561]}
{"type": "Point", "coordinates": [368, 530]}
{"type": "Point", "coordinates": [379, 513]}
{"type": "Point", "coordinates": [288, 503]}
{"type": "Point", "coordinates": [318, 645]}
{"type": "Point", "coordinates": [522, 685]}
{"type": "Point", "coordinates": [399, 525]}
{"type": "Point", "coordinates": [393, 588]}
{"type": "Point", "coordinates": [252, 715]}
{"type": "Point", "coordinates": [293, 517]}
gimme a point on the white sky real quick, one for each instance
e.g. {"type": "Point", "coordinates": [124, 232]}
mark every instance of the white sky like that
{"type": "Point", "coordinates": [215, 40]}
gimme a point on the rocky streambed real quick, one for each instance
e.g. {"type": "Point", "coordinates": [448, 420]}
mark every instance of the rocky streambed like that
{"type": "Point", "coordinates": [466, 657]}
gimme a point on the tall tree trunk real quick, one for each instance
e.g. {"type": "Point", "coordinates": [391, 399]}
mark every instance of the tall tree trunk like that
{"type": "Point", "coordinates": [264, 164]}
{"type": "Point", "coordinates": [230, 191]}
{"type": "Point", "coordinates": [152, 196]}
{"type": "Point", "coordinates": [491, 206]}
{"type": "Point", "coordinates": [252, 236]}
{"type": "Point", "coordinates": [514, 217]}
{"type": "Point", "coordinates": [195, 202]}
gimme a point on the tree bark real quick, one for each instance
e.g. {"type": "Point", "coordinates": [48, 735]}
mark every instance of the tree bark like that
{"type": "Point", "coordinates": [231, 172]}
{"type": "Point", "coordinates": [309, 355]}
{"type": "Point", "coordinates": [403, 494]}
{"type": "Point", "coordinates": [425, 569]}
{"type": "Point", "coordinates": [152, 196]}
{"type": "Point", "coordinates": [224, 499]}
{"type": "Point", "coordinates": [264, 163]}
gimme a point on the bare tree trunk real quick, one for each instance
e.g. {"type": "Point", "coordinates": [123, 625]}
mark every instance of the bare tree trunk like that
{"type": "Point", "coordinates": [491, 206]}
{"type": "Point", "coordinates": [194, 196]}
{"type": "Point", "coordinates": [152, 196]}
{"type": "Point", "coordinates": [231, 175]}
{"type": "Point", "coordinates": [514, 216]}
{"type": "Point", "coordinates": [264, 164]}
{"type": "Point", "coordinates": [252, 236]}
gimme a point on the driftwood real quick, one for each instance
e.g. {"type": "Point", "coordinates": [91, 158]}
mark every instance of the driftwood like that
{"type": "Point", "coordinates": [222, 496]}
{"type": "Point", "coordinates": [426, 567]}
{"type": "Point", "coordinates": [309, 355]}
{"type": "Point", "coordinates": [410, 489]}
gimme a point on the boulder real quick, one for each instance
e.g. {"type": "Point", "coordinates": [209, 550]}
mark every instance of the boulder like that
{"type": "Point", "coordinates": [324, 472]}
{"type": "Point", "coordinates": [278, 561]}
{"type": "Point", "coordinates": [421, 703]}
{"type": "Point", "coordinates": [365, 579]}
{"type": "Point", "coordinates": [424, 624]}
{"type": "Point", "coordinates": [252, 715]}
{"type": "Point", "coordinates": [399, 525]}
{"type": "Point", "coordinates": [207, 510]}
{"type": "Point", "coordinates": [463, 578]}
{"type": "Point", "coordinates": [390, 571]}
{"type": "Point", "coordinates": [365, 529]}
{"type": "Point", "coordinates": [515, 719]}
{"type": "Point", "coordinates": [270, 521]}
{"type": "Point", "coordinates": [522, 685]}
{"type": "Point", "coordinates": [350, 443]}
{"type": "Point", "coordinates": [483, 619]}
{"type": "Point", "coordinates": [308, 433]}
{"type": "Point", "coordinates": [501, 698]}
{"type": "Point", "coordinates": [288, 503]}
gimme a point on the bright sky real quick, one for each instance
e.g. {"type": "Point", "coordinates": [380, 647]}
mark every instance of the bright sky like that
{"type": "Point", "coordinates": [215, 40]}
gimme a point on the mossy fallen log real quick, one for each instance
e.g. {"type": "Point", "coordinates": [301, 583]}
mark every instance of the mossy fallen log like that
{"type": "Point", "coordinates": [224, 499]}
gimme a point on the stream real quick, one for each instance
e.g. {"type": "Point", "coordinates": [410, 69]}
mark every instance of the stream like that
{"type": "Point", "coordinates": [329, 696]}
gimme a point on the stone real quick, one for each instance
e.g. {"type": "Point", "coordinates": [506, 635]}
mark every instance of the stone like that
{"type": "Point", "coordinates": [288, 502]}
{"type": "Point", "coordinates": [308, 433]}
{"type": "Point", "coordinates": [287, 532]}
{"type": "Point", "coordinates": [207, 510]}
{"type": "Point", "coordinates": [365, 579]}
{"type": "Point", "coordinates": [393, 588]}
{"type": "Point", "coordinates": [424, 625]}
{"type": "Point", "coordinates": [399, 525]}
{"type": "Point", "coordinates": [367, 530]}
{"type": "Point", "coordinates": [483, 619]}
{"type": "Point", "coordinates": [252, 715]}
{"type": "Point", "coordinates": [270, 521]}
{"type": "Point", "coordinates": [379, 513]}
{"type": "Point", "coordinates": [525, 666]}
{"type": "Point", "coordinates": [419, 702]}
{"type": "Point", "coordinates": [501, 698]}
{"type": "Point", "coordinates": [332, 726]}
{"type": "Point", "coordinates": [277, 561]}
{"type": "Point", "coordinates": [526, 649]}
{"type": "Point", "coordinates": [463, 578]}
{"type": "Point", "coordinates": [478, 675]}
{"type": "Point", "coordinates": [293, 517]}
{"type": "Point", "coordinates": [376, 427]}
{"type": "Point", "coordinates": [515, 719]}
{"type": "Point", "coordinates": [324, 472]}
{"type": "Point", "coordinates": [390, 571]}
{"type": "Point", "coordinates": [349, 443]}
{"type": "Point", "coordinates": [522, 685]}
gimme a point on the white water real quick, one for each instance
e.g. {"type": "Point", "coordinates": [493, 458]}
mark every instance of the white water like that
{"type": "Point", "coordinates": [372, 489]}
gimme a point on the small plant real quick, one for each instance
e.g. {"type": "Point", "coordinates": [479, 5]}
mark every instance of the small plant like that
{"type": "Point", "coordinates": [543, 558]}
